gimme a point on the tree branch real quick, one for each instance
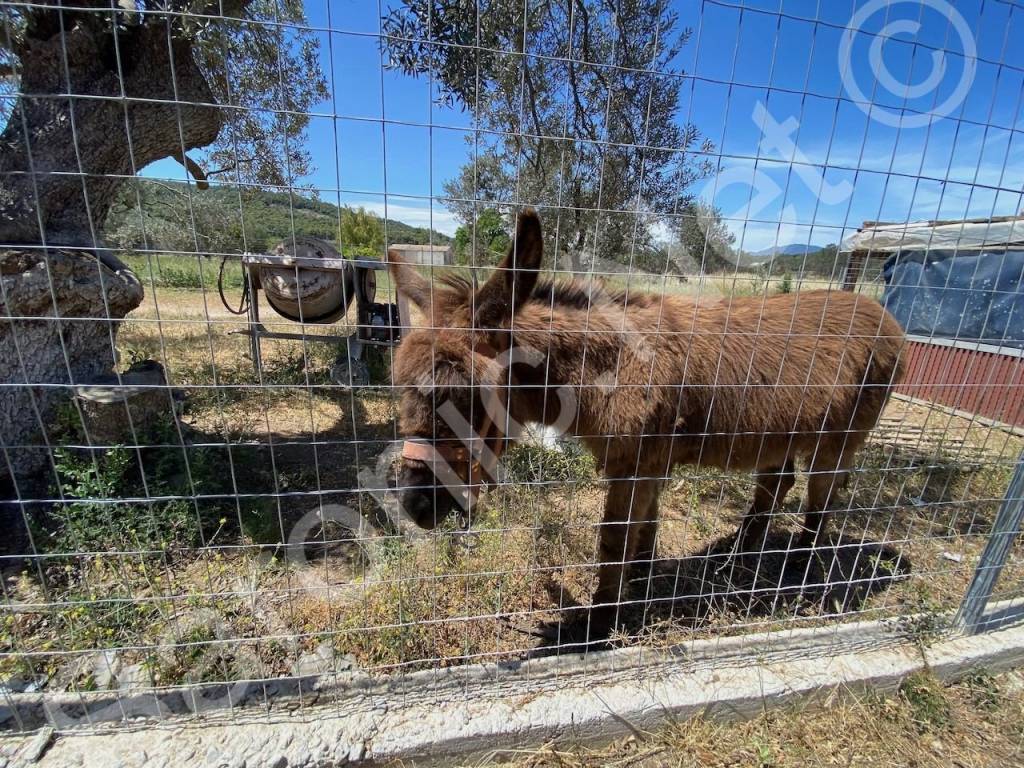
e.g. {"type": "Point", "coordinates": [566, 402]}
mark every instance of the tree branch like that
{"type": "Point", "coordinates": [587, 55]}
{"type": "Point", "coordinates": [528, 79]}
{"type": "Point", "coordinates": [194, 169]}
{"type": "Point", "coordinates": [229, 8]}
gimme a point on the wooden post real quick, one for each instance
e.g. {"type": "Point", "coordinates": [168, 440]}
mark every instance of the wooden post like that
{"type": "Point", "coordinates": [854, 268]}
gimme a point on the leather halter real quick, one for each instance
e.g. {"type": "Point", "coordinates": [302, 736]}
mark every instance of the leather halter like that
{"type": "Point", "coordinates": [459, 457]}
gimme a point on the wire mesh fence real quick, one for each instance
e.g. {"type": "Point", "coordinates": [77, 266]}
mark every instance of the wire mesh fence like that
{"type": "Point", "coordinates": [270, 412]}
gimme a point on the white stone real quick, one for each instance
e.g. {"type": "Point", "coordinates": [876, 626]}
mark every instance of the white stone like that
{"type": "Point", "coordinates": [133, 677]}
{"type": "Point", "coordinates": [105, 668]}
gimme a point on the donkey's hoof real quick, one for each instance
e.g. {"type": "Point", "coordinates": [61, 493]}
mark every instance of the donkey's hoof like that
{"type": "Point", "coordinates": [808, 541]}
{"type": "Point", "coordinates": [748, 542]}
{"type": "Point", "coordinates": [581, 629]}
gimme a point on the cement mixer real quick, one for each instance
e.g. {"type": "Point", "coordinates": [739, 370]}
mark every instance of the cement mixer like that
{"type": "Point", "coordinates": [307, 281]}
{"type": "Point", "coordinates": [308, 295]}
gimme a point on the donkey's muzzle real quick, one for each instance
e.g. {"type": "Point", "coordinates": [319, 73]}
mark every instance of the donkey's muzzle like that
{"type": "Point", "coordinates": [425, 500]}
{"type": "Point", "coordinates": [426, 506]}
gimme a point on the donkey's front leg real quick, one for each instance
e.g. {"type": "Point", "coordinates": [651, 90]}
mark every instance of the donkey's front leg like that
{"type": "Point", "coordinates": [629, 520]}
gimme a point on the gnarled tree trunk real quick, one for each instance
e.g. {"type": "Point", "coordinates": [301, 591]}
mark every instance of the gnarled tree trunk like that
{"type": "Point", "coordinates": [51, 140]}
{"type": "Point", "coordinates": [97, 102]}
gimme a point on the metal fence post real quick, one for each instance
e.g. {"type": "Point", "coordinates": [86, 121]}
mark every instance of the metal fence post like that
{"type": "Point", "coordinates": [1004, 530]}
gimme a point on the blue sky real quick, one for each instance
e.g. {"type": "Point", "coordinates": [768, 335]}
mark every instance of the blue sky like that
{"type": "Point", "coordinates": [383, 141]}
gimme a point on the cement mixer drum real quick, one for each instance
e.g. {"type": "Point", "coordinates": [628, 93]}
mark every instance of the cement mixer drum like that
{"type": "Point", "coordinates": [308, 295]}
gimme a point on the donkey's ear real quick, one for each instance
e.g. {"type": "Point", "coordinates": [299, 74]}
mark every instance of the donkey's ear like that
{"type": "Point", "coordinates": [410, 282]}
{"type": "Point", "coordinates": [515, 277]}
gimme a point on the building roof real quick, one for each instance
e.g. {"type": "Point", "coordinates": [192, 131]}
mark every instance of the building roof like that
{"type": "Point", "coordinates": [881, 238]}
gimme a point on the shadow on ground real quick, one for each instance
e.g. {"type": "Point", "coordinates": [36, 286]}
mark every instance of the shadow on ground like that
{"type": "Point", "coordinates": [260, 477]}
{"type": "Point", "coordinates": [778, 583]}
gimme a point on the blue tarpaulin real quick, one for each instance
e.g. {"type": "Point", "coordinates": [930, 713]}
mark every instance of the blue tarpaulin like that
{"type": "Point", "coordinates": [973, 296]}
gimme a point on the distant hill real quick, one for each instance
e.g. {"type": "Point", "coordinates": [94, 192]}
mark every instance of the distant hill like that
{"type": "Point", "coordinates": [174, 217]}
{"type": "Point", "coordinates": [797, 259]}
{"type": "Point", "coordinates": [793, 249]}
{"type": "Point", "coordinates": [824, 262]}
{"type": "Point", "coordinates": [317, 218]}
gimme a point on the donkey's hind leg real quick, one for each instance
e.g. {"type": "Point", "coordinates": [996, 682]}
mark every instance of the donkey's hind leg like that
{"type": "Point", "coordinates": [772, 485]}
{"type": "Point", "coordinates": [629, 522]}
{"type": "Point", "coordinates": [827, 473]}
{"type": "Point", "coordinates": [645, 526]}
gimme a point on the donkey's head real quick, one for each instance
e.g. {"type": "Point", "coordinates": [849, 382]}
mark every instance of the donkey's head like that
{"type": "Point", "coordinates": [452, 381]}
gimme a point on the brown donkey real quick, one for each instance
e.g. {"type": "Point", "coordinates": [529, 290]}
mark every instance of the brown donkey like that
{"type": "Point", "coordinates": [646, 382]}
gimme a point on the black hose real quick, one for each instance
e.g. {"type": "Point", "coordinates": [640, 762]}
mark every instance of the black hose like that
{"type": "Point", "coordinates": [243, 305]}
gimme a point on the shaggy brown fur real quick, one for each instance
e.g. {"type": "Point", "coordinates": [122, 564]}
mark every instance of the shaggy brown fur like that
{"type": "Point", "coordinates": [746, 384]}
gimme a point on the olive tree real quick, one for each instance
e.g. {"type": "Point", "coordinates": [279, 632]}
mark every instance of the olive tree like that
{"type": "Point", "coordinates": [577, 103]}
{"type": "Point", "coordinates": [92, 91]}
{"type": "Point", "coordinates": [100, 89]}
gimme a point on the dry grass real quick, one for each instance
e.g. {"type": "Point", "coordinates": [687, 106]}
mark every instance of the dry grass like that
{"type": "Point", "coordinates": [976, 723]}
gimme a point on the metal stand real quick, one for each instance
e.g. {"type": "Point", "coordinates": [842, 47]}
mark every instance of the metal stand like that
{"type": "Point", "coordinates": [350, 370]}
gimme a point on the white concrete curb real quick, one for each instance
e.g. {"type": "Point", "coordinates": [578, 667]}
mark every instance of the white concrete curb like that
{"type": "Point", "coordinates": [481, 709]}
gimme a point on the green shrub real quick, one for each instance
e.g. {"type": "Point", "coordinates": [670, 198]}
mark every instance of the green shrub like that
{"type": "Point", "coordinates": [537, 463]}
{"type": "Point", "coordinates": [261, 522]}
{"type": "Point", "coordinates": [106, 495]}
{"type": "Point", "coordinates": [928, 701]}
{"type": "Point", "coordinates": [95, 519]}
{"type": "Point", "coordinates": [786, 284]}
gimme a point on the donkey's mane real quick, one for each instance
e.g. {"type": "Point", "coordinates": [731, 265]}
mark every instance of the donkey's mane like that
{"type": "Point", "coordinates": [458, 283]}
{"type": "Point", "coordinates": [573, 293]}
